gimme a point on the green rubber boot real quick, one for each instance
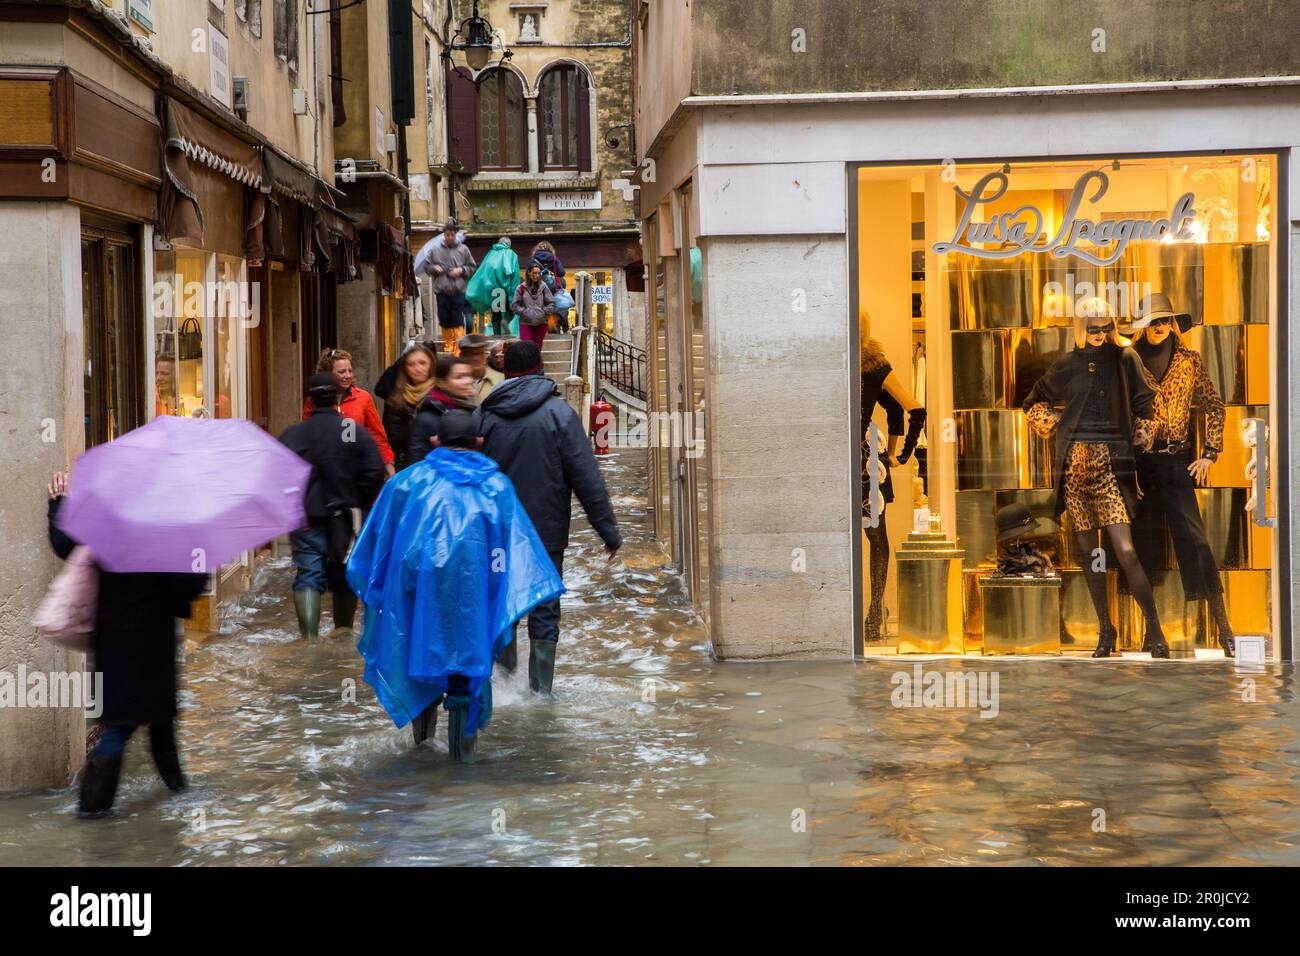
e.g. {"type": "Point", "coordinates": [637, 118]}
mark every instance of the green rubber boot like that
{"type": "Point", "coordinates": [541, 666]}
{"type": "Point", "coordinates": [345, 609]}
{"type": "Point", "coordinates": [307, 604]}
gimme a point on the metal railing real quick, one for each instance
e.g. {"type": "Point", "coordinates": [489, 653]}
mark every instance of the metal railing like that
{"type": "Point", "coordinates": [621, 364]}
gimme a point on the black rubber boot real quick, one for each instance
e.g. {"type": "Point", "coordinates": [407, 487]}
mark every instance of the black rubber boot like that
{"type": "Point", "coordinates": [169, 768]}
{"type": "Point", "coordinates": [509, 655]}
{"type": "Point", "coordinates": [541, 666]}
{"type": "Point", "coordinates": [1106, 642]}
{"type": "Point", "coordinates": [99, 787]}
{"type": "Point", "coordinates": [307, 604]}
{"type": "Point", "coordinates": [423, 726]}
{"type": "Point", "coordinates": [345, 609]}
{"type": "Point", "coordinates": [459, 746]}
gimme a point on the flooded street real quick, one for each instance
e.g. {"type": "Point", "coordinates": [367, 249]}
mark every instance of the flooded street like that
{"type": "Point", "coordinates": [781, 764]}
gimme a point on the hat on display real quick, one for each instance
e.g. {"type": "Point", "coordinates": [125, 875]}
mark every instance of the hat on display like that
{"type": "Point", "coordinates": [1017, 521]}
{"type": "Point", "coordinates": [1156, 305]}
{"type": "Point", "coordinates": [473, 340]}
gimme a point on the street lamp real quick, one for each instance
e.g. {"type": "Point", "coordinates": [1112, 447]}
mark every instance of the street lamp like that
{"type": "Point", "coordinates": [476, 33]}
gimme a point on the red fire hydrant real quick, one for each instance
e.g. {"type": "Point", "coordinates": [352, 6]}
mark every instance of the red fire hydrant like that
{"type": "Point", "coordinates": [603, 422]}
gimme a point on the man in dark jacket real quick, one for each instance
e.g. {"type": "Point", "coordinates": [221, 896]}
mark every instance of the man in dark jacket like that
{"type": "Point", "coordinates": [346, 473]}
{"type": "Point", "coordinates": [538, 442]}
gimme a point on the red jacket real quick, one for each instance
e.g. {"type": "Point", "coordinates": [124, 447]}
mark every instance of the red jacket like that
{"type": "Point", "coordinates": [360, 408]}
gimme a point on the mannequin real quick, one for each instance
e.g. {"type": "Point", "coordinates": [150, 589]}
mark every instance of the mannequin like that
{"type": "Point", "coordinates": [1167, 473]}
{"type": "Point", "coordinates": [1105, 408]}
{"type": "Point", "coordinates": [880, 386]}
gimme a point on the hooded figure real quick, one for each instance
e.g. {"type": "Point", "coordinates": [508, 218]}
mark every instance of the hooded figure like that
{"type": "Point", "coordinates": [446, 563]}
{"type": "Point", "coordinates": [494, 282]}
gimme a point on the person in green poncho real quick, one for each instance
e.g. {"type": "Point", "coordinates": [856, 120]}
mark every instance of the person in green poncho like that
{"type": "Point", "coordinates": [492, 285]}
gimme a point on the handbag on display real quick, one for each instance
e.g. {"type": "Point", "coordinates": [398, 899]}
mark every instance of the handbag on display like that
{"type": "Point", "coordinates": [66, 615]}
{"type": "Point", "coordinates": [190, 341]}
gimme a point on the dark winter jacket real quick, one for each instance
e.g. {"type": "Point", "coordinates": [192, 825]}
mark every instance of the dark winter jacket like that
{"type": "Point", "coordinates": [425, 425]}
{"type": "Point", "coordinates": [539, 443]}
{"type": "Point", "coordinates": [547, 261]}
{"type": "Point", "coordinates": [1056, 404]}
{"type": "Point", "coordinates": [346, 470]}
{"type": "Point", "coordinates": [135, 636]}
{"type": "Point", "coordinates": [398, 415]}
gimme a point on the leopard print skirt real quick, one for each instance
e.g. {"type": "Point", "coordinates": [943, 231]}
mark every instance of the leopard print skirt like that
{"type": "Point", "coordinates": [1092, 496]}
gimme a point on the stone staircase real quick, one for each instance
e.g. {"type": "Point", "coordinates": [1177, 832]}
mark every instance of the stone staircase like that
{"type": "Point", "coordinates": [557, 351]}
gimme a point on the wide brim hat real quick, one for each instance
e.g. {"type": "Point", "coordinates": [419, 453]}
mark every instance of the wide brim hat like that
{"type": "Point", "coordinates": [1017, 521]}
{"type": "Point", "coordinates": [473, 340]}
{"type": "Point", "coordinates": [1157, 305]}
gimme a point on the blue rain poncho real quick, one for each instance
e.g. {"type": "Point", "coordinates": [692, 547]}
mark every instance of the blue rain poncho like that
{"type": "Point", "coordinates": [446, 563]}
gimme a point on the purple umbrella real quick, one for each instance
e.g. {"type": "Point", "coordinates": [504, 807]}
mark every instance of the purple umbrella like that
{"type": "Point", "coordinates": [184, 494]}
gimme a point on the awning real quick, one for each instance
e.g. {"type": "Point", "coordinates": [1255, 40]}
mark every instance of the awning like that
{"type": "Point", "coordinates": [213, 146]}
{"type": "Point", "coordinates": [287, 179]}
{"type": "Point", "coordinates": [188, 137]}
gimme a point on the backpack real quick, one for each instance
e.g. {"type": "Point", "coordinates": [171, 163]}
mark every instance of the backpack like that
{"type": "Point", "coordinates": [547, 275]}
{"type": "Point", "coordinates": [66, 615]}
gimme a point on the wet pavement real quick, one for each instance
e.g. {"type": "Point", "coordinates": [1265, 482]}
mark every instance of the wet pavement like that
{"type": "Point", "coordinates": [652, 753]}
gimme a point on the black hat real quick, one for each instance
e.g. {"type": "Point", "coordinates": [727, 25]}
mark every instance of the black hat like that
{"type": "Point", "coordinates": [1017, 521]}
{"type": "Point", "coordinates": [457, 429]}
{"type": "Point", "coordinates": [323, 385]}
{"type": "Point", "coordinates": [1156, 305]}
{"type": "Point", "coordinates": [523, 358]}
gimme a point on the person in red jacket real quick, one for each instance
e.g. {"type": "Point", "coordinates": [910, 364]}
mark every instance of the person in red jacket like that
{"type": "Point", "coordinates": [356, 403]}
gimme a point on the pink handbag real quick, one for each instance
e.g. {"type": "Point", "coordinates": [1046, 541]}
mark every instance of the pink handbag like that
{"type": "Point", "coordinates": [66, 615]}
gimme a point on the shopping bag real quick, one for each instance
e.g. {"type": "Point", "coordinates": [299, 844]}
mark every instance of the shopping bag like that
{"type": "Point", "coordinates": [66, 615]}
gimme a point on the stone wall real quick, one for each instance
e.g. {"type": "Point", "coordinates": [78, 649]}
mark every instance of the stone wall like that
{"type": "Point", "coordinates": [855, 45]}
{"type": "Point", "coordinates": [781, 492]}
{"type": "Point", "coordinates": [41, 431]}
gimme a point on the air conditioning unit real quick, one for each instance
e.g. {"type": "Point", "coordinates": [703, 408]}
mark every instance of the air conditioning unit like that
{"type": "Point", "coordinates": [242, 96]}
{"type": "Point", "coordinates": [299, 101]}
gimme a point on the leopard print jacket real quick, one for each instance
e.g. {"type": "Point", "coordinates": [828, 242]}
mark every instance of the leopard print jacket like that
{"type": "Point", "coordinates": [1187, 384]}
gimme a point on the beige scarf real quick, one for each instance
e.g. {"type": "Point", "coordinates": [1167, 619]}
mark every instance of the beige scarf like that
{"type": "Point", "coordinates": [413, 394]}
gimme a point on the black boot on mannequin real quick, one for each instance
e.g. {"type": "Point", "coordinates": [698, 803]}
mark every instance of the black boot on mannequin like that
{"type": "Point", "coordinates": [1139, 585]}
{"type": "Point", "coordinates": [1227, 640]}
{"type": "Point", "coordinates": [1085, 542]}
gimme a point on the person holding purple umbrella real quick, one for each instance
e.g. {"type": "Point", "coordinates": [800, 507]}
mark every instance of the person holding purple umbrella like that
{"type": "Point", "coordinates": [135, 650]}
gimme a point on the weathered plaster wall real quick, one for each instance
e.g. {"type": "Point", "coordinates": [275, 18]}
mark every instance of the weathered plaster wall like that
{"type": "Point", "coordinates": [852, 45]}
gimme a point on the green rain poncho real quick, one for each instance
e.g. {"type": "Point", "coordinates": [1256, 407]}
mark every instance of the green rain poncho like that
{"type": "Point", "coordinates": [498, 271]}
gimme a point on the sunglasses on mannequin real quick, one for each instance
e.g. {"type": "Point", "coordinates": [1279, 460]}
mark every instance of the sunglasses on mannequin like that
{"type": "Point", "coordinates": [1101, 329]}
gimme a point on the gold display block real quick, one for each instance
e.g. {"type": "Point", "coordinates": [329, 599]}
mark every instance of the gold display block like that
{"type": "Point", "coordinates": [1078, 616]}
{"type": "Point", "coordinates": [1178, 618]}
{"type": "Point", "coordinates": [929, 593]}
{"type": "Point", "coordinates": [1022, 615]}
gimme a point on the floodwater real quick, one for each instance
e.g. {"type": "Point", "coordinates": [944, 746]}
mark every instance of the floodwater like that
{"type": "Point", "coordinates": [652, 753]}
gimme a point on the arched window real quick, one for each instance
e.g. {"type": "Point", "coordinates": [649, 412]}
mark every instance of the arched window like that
{"type": "Point", "coordinates": [502, 120]}
{"type": "Point", "coordinates": [563, 112]}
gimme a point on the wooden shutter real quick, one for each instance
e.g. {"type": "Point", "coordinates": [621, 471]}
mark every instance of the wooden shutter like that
{"type": "Point", "coordinates": [462, 119]}
{"type": "Point", "coordinates": [582, 101]}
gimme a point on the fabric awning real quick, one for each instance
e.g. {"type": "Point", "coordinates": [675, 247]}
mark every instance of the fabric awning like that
{"type": "Point", "coordinates": [285, 178]}
{"type": "Point", "coordinates": [218, 149]}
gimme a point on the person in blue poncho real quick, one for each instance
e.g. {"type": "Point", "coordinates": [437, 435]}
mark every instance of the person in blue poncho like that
{"type": "Point", "coordinates": [447, 562]}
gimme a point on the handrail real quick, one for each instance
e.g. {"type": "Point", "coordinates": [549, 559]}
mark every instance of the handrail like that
{"type": "Point", "coordinates": [621, 364]}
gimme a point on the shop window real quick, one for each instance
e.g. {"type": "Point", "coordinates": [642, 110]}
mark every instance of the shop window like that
{"type": "Point", "coordinates": [111, 322]}
{"type": "Point", "coordinates": [502, 121]}
{"type": "Point", "coordinates": [565, 127]}
{"type": "Point", "coordinates": [995, 264]}
{"type": "Point", "coordinates": [180, 320]}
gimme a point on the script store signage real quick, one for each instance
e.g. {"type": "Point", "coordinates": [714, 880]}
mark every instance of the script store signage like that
{"type": "Point", "coordinates": [1021, 230]}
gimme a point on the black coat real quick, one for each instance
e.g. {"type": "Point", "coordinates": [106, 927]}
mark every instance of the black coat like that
{"type": "Point", "coordinates": [135, 636]}
{"type": "Point", "coordinates": [398, 416]}
{"type": "Point", "coordinates": [344, 473]}
{"type": "Point", "coordinates": [538, 441]}
{"type": "Point", "coordinates": [1065, 388]}
{"type": "Point", "coordinates": [425, 426]}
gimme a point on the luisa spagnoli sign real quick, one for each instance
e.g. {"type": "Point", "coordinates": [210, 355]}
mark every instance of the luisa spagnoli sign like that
{"type": "Point", "coordinates": [1021, 229]}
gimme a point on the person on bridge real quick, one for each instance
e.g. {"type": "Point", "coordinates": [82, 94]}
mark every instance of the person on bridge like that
{"type": "Point", "coordinates": [446, 564]}
{"type": "Point", "coordinates": [540, 445]}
